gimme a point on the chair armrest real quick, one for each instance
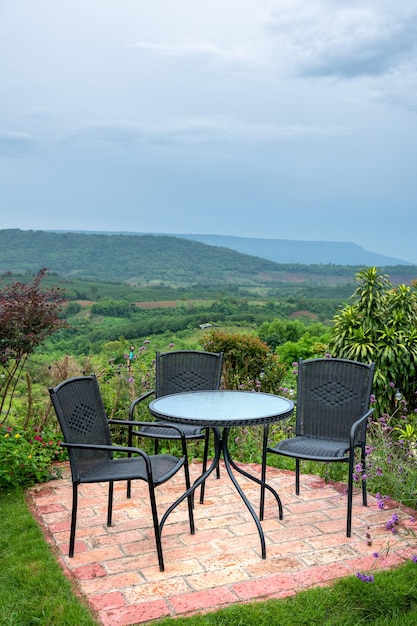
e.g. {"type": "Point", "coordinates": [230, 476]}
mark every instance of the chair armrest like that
{"type": "Point", "coordinates": [137, 400]}
{"type": "Point", "coordinates": [356, 425]}
{"type": "Point", "coordinates": [150, 425]}
{"type": "Point", "coordinates": [126, 449]}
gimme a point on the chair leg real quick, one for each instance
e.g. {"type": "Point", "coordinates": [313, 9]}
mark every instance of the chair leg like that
{"type": "Point", "coordinates": [156, 526]}
{"type": "Point", "coordinates": [129, 454]}
{"type": "Point", "coordinates": [110, 504]}
{"type": "Point", "coordinates": [364, 493]}
{"type": "Point", "coordinates": [73, 518]}
{"type": "Point", "coordinates": [350, 494]}
{"type": "Point", "coordinates": [297, 477]}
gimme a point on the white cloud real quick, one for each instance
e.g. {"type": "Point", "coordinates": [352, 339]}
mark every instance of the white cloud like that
{"type": "Point", "coordinates": [345, 40]}
{"type": "Point", "coordinates": [203, 50]}
{"type": "Point", "coordinates": [194, 132]}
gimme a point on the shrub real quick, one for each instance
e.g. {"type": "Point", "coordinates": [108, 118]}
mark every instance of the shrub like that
{"type": "Point", "coordinates": [27, 457]}
{"type": "Point", "coordinates": [248, 362]}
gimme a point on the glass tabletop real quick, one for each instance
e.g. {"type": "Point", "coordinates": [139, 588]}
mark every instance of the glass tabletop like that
{"type": "Point", "coordinates": [221, 408]}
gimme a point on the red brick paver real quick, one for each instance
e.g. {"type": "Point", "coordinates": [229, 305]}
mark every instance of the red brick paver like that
{"type": "Point", "coordinates": [116, 568]}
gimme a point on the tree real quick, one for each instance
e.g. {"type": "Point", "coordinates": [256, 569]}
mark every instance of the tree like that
{"type": "Point", "coordinates": [380, 326]}
{"type": "Point", "coordinates": [28, 315]}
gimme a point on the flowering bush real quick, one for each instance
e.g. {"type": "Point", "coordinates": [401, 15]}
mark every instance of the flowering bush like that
{"type": "Point", "coordinates": [391, 464]}
{"type": "Point", "coordinates": [27, 458]}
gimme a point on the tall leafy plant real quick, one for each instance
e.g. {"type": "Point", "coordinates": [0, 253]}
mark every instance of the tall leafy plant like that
{"type": "Point", "coordinates": [380, 326]}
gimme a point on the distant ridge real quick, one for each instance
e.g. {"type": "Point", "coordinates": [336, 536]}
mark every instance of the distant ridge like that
{"type": "Point", "coordinates": [303, 252]}
{"type": "Point", "coordinates": [166, 259]}
{"type": "Point", "coordinates": [284, 251]}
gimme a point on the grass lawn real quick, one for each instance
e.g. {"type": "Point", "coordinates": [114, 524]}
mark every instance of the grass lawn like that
{"type": "Point", "coordinates": [33, 590]}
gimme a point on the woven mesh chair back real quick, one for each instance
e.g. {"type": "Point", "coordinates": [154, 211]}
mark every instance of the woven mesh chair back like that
{"type": "Point", "coordinates": [332, 394]}
{"type": "Point", "coordinates": [82, 417]}
{"type": "Point", "coordinates": [187, 370]}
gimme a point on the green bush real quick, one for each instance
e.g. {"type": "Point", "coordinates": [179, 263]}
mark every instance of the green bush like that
{"type": "Point", "coordinates": [248, 362]}
{"type": "Point", "coordinates": [27, 458]}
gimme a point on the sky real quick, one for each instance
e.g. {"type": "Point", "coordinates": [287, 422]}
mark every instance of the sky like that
{"type": "Point", "coordinates": [277, 119]}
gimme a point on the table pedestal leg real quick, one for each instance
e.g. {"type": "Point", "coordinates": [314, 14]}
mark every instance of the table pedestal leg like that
{"type": "Point", "coordinates": [221, 446]}
{"type": "Point", "coordinates": [229, 463]}
{"type": "Point", "coordinates": [201, 479]}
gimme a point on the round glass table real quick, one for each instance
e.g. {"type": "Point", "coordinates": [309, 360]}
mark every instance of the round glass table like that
{"type": "Point", "coordinates": [221, 411]}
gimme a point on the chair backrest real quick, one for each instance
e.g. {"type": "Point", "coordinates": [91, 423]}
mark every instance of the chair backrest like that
{"type": "Point", "coordinates": [331, 395]}
{"type": "Point", "coordinates": [82, 417]}
{"type": "Point", "coordinates": [187, 370]}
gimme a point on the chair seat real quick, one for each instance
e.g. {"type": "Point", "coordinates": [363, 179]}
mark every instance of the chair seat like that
{"type": "Point", "coordinates": [190, 432]}
{"type": "Point", "coordinates": [133, 468]}
{"type": "Point", "coordinates": [312, 449]}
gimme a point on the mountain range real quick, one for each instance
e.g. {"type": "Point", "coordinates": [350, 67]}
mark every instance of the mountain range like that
{"type": "Point", "coordinates": [303, 252]}
{"type": "Point", "coordinates": [144, 259]}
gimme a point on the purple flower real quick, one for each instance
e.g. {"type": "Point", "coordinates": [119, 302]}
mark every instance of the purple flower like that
{"type": "Point", "coordinates": [364, 578]}
{"type": "Point", "coordinates": [414, 558]}
{"type": "Point", "coordinates": [375, 555]}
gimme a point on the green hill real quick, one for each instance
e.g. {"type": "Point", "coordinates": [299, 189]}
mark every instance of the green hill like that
{"type": "Point", "coordinates": [163, 259]}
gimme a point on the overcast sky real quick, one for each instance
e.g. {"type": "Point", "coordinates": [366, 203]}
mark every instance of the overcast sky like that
{"type": "Point", "coordinates": [282, 119]}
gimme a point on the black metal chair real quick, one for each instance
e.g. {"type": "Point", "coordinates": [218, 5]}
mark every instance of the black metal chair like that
{"type": "Point", "coordinates": [81, 414]}
{"type": "Point", "coordinates": [333, 397]}
{"type": "Point", "coordinates": [178, 371]}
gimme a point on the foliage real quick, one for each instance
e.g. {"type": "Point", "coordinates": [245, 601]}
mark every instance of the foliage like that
{"type": "Point", "coordinates": [27, 458]}
{"type": "Point", "coordinates": [247, 361]}
{"type": "Point", "coordinates": [307, 347]}
{"type": "Point", "coordinates": [27, 316]}
{"type": "Point", "coordinates": [113, 308]}
{"type": "Point", "coordinates": [294, 339]}
{"type": "Point", "coordinates": [381, 327]}
{"type": "Point", "coordinates": [279, 331]}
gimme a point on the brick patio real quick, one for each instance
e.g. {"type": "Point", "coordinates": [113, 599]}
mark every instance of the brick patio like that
{"type": "Point", "coordinates": [116, 568]}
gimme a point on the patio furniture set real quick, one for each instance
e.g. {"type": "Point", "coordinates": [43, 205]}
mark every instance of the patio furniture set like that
{"type": "Point", "coordinates": [332, 412]}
